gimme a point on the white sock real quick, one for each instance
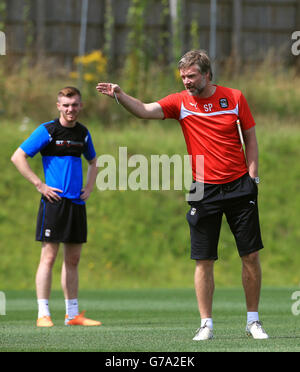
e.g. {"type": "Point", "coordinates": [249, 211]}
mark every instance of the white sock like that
{"type": "Point", "coordinates": [208, 321]}
{"type": "Point", "coordinates": [43, 308]}
{"type": "Point", "coordinates": [252, 316]}
{"type": "Point", "coordinates": [72, 308]}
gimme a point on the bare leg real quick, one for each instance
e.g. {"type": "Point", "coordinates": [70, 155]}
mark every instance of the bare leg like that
{"type": "Point", "coordinates": [251, 278]}
{"type": "Point", "coordinates": [69, 274]}
{"type": "Point", "coordinates": [44, 272]}
{"type": "Point", "coordinates": [204, 286]}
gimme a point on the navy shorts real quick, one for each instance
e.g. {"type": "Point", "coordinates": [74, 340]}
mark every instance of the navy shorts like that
{"type": "Point", "coordinates": [61, 221]}
{"type": "Point", "coordinates": [238, 201]}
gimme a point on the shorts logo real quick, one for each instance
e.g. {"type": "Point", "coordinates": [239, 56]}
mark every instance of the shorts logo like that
{"type": "Point", "coordinates": [223, 102]}
{"type": "Point", "coordinates": [193, 211]}
{"type": "Point", "coordinates": [47, 233]}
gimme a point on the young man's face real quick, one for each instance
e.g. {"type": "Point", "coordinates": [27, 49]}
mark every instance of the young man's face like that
{"type": "Point", "coordinates": [69, 108]}
{"type": "Point", "coordinates": [193, 80]}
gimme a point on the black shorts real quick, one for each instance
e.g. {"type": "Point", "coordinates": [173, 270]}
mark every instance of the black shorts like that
{"type": "Point", "coordinates": [61, 221]}
{"type": "Point", "coordinates": [238, 201]}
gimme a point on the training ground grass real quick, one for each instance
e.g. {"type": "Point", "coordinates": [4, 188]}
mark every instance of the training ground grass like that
{"type": "Point", "coordinates": [153, 320]}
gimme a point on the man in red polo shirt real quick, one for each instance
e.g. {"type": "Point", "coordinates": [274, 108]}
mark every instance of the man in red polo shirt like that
{"type": "Point", "coordinates": [208, 115]}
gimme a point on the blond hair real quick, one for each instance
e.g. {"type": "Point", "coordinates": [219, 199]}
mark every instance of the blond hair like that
{"type": "Point", "coordinates": [199, 58]}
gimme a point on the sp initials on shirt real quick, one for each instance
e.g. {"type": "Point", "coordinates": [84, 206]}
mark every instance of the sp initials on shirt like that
{"type": "Point", "coordinates": [207, 107]}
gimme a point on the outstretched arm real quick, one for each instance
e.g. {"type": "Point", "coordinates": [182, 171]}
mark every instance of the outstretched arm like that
{"type": "Point", "coordinates": [19, 158]}
{"type": "Point", "coordinates": [131, 104]}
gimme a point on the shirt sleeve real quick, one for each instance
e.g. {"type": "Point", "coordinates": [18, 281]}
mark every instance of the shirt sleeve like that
{"type": "Point", "coordinates": [36, 141]}
{"type": "Point", "coordinates": [171, 105]}
{"type": "Point", "coordinates": [89, 152]}
{"type": "Point", "coordinates": [245, 115]}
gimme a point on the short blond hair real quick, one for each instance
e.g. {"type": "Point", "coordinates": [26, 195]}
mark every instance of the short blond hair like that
{"type": "Point", "coordinates": [69, 92]}
{"type": "Point", "coordinates": [199, 58]}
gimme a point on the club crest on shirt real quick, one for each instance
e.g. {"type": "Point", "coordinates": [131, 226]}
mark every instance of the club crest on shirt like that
{"type": "Point", "coordinates": [223, 102]}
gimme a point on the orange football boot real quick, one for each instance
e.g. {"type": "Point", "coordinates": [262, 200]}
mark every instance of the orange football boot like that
{"type": "Point", "coordinates": [44, 321]}
{"type": "Point", "coordinates": [81, 320]}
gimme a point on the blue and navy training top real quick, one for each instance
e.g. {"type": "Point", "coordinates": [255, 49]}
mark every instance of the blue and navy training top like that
{"type": "Point", "coordinates": [61, 149]}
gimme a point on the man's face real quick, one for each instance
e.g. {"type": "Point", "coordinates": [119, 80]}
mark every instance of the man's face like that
{"type": "Point", "coordinates": [69, 108]}
{"type": "Point", "coordinates": [193, 80]}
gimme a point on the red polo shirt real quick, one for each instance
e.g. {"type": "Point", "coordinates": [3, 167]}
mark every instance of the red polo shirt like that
{"type": "Point", "coordinates": [209, 128]}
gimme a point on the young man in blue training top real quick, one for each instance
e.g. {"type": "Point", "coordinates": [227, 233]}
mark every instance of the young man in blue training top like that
{"type": "Point", "coordinates": [62, 212]}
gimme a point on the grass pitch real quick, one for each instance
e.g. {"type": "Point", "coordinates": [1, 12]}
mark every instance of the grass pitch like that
{"type": "Point", "coordinates": [154, 320]}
